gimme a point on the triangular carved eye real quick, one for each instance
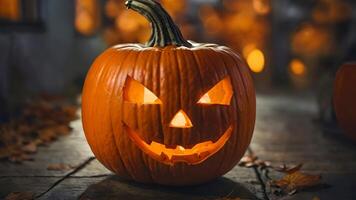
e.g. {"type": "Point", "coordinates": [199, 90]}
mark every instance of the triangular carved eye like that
{"type": "Point", "coordinates": [135, 92]}
{"type": "Point", "coordinates": [220, 94]}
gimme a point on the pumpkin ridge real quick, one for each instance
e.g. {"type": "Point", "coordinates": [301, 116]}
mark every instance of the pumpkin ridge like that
{"type": "Point", "coordinates": [133, 159]}
{"type": "Point", "coordinates": [244, 78]}
{"type": "Point", "coordinates": [127, 163]}
{"type": "Point", "coordinates": [236, 127]}
{"type": "Point", "coordinates": [101, 67]}
{"type": "Point", "coordinates": [119, 66]}
{"type": "Point", "coordinates": [214, 59]}
{"type": "Point", "coordinates": [148, 67]}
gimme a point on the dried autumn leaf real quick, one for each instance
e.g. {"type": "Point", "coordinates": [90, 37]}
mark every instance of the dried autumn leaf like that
{"type": "Point", "coordinates": [30, 148]}
{"type": "Point", "coordinates": [59, 167]}
{"type": "Point", "coordinates": [4, 152]}
{"type": "Point", "coordinates": [20, 157]}
{"type": "Point", "coordinates": [252, 161]}
{"type": "Point", "coordinates": [71, 112]}
{"type": "Point", "coordinates": [62, 129]}
{"type": "Point", "coordinates": [20, 196]}
{"type": "Point", "coordinates": [41, 121]}
{"type": "Point", "coordinates": [248, 161]}
{"type": "Point", "coordinates": [47, 135]}
{"type": "Point", "coordinates": [288, 170]}
{"type": "Point", "coordinates": [290, 183]}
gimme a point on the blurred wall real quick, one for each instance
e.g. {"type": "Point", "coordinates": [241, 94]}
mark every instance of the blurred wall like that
{"type": "Point", "coordinates": [49, 61]}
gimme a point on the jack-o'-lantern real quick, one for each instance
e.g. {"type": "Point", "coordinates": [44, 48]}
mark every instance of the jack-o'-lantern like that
{"type": "Point", "coordinates": [171, 112]}
{"type": "Point", "coordinates": [345, 98]}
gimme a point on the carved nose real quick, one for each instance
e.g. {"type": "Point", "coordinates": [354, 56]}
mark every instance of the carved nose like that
{"type": "Point", "coordinates": [181, 120]}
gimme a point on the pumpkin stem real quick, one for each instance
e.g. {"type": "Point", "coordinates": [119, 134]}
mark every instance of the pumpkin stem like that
{"type": "Point", "coordinates": [164, 31]}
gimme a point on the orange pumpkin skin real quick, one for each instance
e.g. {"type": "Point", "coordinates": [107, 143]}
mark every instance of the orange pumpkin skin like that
{"type": "Point", "coordinates": [345, 98]}
{"type": "Point", "coordinates": [179, 76]}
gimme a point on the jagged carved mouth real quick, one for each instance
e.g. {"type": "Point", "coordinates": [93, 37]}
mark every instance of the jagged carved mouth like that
{"type": "Point", "coordinates": [199, 153]}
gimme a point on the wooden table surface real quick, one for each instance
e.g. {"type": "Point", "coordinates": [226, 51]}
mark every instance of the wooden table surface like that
{"type": "Point", "coordinates": [286, 132]}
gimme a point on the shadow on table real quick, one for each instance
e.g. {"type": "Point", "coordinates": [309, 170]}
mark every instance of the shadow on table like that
{"type": "Point", "coordinates": [117, 188]}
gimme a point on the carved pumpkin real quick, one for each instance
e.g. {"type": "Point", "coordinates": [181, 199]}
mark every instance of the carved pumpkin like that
{"type": "Point", "coordinates": [170, 112]}
{"type": "Point", "coordinates": [345, 98]}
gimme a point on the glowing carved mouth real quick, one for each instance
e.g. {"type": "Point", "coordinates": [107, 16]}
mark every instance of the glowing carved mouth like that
{"type": "Point", "coordinates": [193, 156]}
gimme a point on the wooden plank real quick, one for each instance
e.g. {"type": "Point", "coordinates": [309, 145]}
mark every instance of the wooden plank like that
{"type": "Point", "coordinates": [116, 188]}
{"type": "Point", "coordinates": [20, 184]}
{"type": "Point", "coordinates": [71, 188]}
{"type": "Point", "coordinates": [286, 132]}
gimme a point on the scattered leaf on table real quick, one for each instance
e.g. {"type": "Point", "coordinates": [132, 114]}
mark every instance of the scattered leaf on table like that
{"type": "Point", "coordinates": [40, 122]}
{"type": "Point", "coordinates": [20, 157]}
{"type": "Point", "coordinates": [47, 135]}
{"type": "Point", "coordinates": [293, 182]}
{"type": "Point", "coordinates": [59, 167]}
{"type": "Point", "coordinates": [30, 148]}
{"type": "Point", "coordinates": [20, 196]}
{"type": "Point", "coordinates": [5, 152]}
{"type": "Point", "coordinates": [288, 170]}
{"type": "Point", "coordinates": [248, 161]}
{"type": "Point", "coordinates": [252, 161]}
{"type": "Point", "coordinates": [62, 129]}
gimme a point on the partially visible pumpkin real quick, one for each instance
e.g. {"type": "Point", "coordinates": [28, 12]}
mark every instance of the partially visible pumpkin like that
{"type": "Point", "coordinates": [345, 99]}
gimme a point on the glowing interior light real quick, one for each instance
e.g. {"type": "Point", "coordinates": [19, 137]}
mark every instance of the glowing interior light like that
{"type": "Point", "coordinates": [205, 99]}
{"type": "Point", "coordinates": [149, 97]}
{"type": "Point", "coordinates": [256, 60]}
{"type": "Point", "coordinates": [297, 67]}
{"type": "Point", "coordinates": [220, 94]}
{"type": "Point", "coordinates": [195, 155]}
{"type": "Point", "coordinates": [135, 92]}
{"type": "Point", "coordinates": [181, 120]}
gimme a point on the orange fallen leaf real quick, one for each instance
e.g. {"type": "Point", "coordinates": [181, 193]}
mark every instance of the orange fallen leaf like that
{"type": "Point", "coordinates": [290, 183]}
{"type": "Point", "coordinates": [19, 157]}
{"type": "Point", "coordinates": [47, 135]}
{"type": "Point", "coordinates": [40, 122]}
{"type": "Point", "coordinates": [20, 196]}
{"type": "Point", "coordinates": [252, 161]}
{"type": "Point", "coordinates": [62, 129]}
{"type": "Point", "coordinates": [288, 170]}
{"type": "Point", "coordinates": [248, 161]}
{"type": "Point", "coordinates": [30, 148]}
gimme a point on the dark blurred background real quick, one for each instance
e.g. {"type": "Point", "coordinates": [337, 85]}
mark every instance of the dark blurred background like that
{"type": "Point", "coordinates": [47, 46]}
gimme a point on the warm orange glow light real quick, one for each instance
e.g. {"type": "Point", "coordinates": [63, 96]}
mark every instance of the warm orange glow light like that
{"type": "Point", "coordinates": [135, 92]}
{"type": "Point", "coordinates": [10, 9]}
{"type": "Point", "coordinates": [181, 120]}
{"type": "Point", "coordinates": [256, 60]}
{"type": "Point", "coordinates": [297, 67]}
{"type": "Point", "coordinates": [221, 93]}
{"type": "Point", "coordinates": [170, 156]}
{"type": "Point", "coordinates": [261, 6]}
{"type": "Point", "coordinates": [247, 49]}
